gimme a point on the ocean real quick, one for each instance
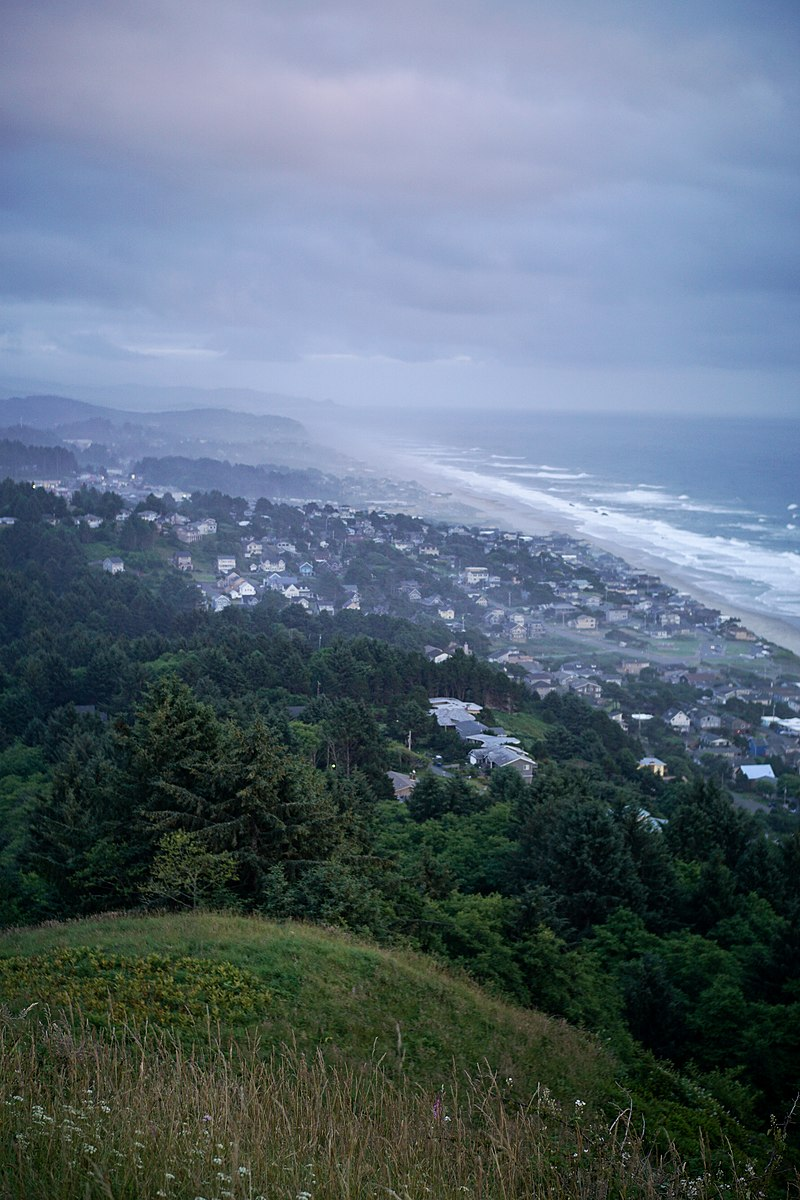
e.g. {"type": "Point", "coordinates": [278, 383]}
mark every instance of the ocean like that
{"type": "Point", "coordinates": [714, 501]}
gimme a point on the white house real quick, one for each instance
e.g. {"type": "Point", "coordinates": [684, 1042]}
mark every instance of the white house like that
{"type": "Point", "coordinates": [678, 720]}
{"type": "Point", "coordinates": [755, 771]}
{"type": "Point", "coordinates": [114, 566]}
{"type": "Point", "coordinates": [473, 575]}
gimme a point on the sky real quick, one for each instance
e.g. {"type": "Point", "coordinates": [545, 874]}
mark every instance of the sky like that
{"type": "Point", "coordinates": [465, 202]}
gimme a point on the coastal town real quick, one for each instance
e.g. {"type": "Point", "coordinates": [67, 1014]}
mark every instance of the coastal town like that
{"type": "Point", "coordinates": [555, 613]}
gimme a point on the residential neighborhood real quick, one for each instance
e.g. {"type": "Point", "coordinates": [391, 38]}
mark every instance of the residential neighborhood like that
{"type": "Point", "coordinates": [560, 615]}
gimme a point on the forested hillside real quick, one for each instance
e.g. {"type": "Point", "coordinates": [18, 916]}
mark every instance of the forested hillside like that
{"type": "Point", "coordinates": [156, 754]}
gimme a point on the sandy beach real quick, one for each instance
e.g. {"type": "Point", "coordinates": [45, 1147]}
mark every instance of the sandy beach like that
{"type": "Point", "coordinates": [446, 495]}
{"type": "Point", "coordinates": [449, 501]}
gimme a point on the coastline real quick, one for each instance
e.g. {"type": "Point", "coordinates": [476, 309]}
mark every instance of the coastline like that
{"type": "Point", "coordinates": [513, 515]}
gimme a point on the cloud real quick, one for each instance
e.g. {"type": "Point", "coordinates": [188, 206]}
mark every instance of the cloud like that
{"type": "Point", "coordinates": [518, 182]}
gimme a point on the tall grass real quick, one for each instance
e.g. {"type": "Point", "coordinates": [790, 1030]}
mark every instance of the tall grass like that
{"type": "Point", "coordinates": [134, 1113]}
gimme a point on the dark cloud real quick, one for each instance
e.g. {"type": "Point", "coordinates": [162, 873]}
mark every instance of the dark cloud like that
{"type": "Point", "coordinates": [331, 181]}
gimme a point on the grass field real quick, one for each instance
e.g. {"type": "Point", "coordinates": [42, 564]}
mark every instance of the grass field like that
{"type": "Point", "coordinates": [322, 991]}
{"type": "Point", "coordinates": [202, 1056]}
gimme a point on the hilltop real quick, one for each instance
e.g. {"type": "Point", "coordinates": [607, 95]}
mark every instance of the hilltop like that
{"type": "Point", "coordinates": [208, 1054]}
{"type": "Point", "coordinates": [314, 988]}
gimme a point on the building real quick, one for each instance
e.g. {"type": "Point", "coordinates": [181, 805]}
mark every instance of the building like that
{"type": "Point", "coordinates": [652, 764]}
{"type": "Point", "coordinates": [503, 756]}
{"type": "Point", "coordinates": [403, 784]}
{"type": "Point", "coordinates": [753, 772]}
{"type": "Point", "coordinates": [476, 575]}
{"type": "Point", "coordinates": [114, 566]}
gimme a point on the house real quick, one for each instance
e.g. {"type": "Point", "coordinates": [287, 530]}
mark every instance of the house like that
{"type": "Point", "coordinates": [652, 764]}
{"type": "Point", "coordinates": [114, 566]}
{"type": "Point", "coordinates": [616, 616]}
{"type": "Point", "coordinates": [752, 772]}
{"type": "Point", "coordinates": [251, 547]}
{"type": "Point", "coordinates": [182, 560]}
{"type": "Point", "coordinates": [706, 721]}
{"type": "Point", "coordinates": [583, 621]}
{"type": "Point", "coordinates": [678, 720]}
{"type": "Point", "coordinates": [188, 534]}
{"type": "Point", "coordinates": [226, 563]}
{"type": "Point", "coordinates": [447, 614]}
{"type": "Point", "coordinates": [305, 569]}
{"type": "Point", "coordinates": [235, 586]}
{"type": "Point", "coordinates": [403, 784]}
{"type": "Point", "coordinates": [270, 565]}
{"type": "Point", "coordinates": [449, 711]}
{"type": "Point", "coordinates": [503, 756]}
{"type": "Point", "coordinates": [205, 526]}
{"type": "Point", "coordinates": [588, 688]}
{"type": "Point", "coordinates": [651, 823]}
{"type": "Point", "coordinates": [476, 575]}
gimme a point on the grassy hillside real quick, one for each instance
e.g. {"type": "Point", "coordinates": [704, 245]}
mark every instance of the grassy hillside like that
{"type": "Point", "coordinates": [298, 984]}
{"type": "Point", "coordinates": [208, 1055]}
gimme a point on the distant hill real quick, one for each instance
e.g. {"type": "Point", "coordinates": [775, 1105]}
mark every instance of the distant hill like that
{"type": "Point", "coordinates": [122, 434]}
{"type": "Point", "coordinates": [48, 412]}
{"type": "Point", "coordinates": [252, 400]}
{"type": "Point", "coordinates": [238, 479]}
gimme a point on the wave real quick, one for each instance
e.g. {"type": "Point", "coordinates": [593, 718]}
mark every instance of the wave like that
{"type": "Point", "coordinates": [660, 498]}
{"type": "Point", "coordinates": [732, 567]}
{"type": "Point", "coordinates": [528, 472]}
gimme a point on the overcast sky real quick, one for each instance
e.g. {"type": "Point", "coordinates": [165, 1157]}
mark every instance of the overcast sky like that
{"type": "Point", "coordinates": [476, 201]}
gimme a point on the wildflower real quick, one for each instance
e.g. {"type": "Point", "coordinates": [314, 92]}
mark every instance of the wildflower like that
{"type": "Point", "coordinates": [580, 1104]}
{"type": "Point", "coordinates": [216, 1160]}
{"type": "Point", "coordinates": [206, 1116]}
{"type": "Point", "coordinates": [437, 1108]}
{"type": "Point", "coordinates": [244, 1170]}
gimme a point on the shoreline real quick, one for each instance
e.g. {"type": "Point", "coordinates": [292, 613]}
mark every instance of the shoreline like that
{"type": "Point", "coordinates": [446, 499]}
{"type": "Point", "coordinates": [518, 517]}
